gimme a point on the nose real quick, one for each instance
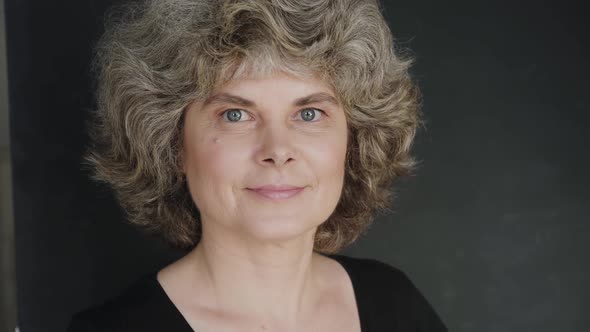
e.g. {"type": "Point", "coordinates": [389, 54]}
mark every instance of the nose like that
{"type": "Point", "coordinates": [276, 148]}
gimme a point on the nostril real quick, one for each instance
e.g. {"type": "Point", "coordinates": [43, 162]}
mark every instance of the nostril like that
{"type": "Point", "coordinates": [277, 161]}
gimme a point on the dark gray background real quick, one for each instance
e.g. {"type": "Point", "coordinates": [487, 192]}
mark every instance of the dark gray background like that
{"type": "Point", "coordinates": [493, 228]}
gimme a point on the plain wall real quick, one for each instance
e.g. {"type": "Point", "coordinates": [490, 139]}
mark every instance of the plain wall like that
{"type": "Point", "coordinates": [493, 228]}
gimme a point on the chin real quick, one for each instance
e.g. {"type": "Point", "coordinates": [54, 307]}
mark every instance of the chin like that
{"type": "Point", "coordinates": [279, 229]}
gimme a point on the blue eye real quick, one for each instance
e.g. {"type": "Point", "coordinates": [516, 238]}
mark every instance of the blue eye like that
{"type": "Point", "coordinates": [310, 114]}
{"type": "Point", "coordinates": [234, 115]}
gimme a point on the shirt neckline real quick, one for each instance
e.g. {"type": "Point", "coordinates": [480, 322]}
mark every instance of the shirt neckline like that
{"type": "Point", "coordinates": [340, 259]}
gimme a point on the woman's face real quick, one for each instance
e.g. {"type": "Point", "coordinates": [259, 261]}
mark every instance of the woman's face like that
{"type": "Point", "coordinates": [264, 158]}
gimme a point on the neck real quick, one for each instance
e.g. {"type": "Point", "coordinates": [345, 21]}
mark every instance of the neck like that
{"type": "Point", "coordinates": [257, 280]}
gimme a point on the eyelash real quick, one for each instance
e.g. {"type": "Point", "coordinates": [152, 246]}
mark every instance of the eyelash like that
{"type": "Point", "coordinates": [225, 112]}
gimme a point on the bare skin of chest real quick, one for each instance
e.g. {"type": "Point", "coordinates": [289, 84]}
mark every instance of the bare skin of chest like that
{"type": "Point", "coordinates": [330, 318]}
{"type": "Point", "coordinates": [334, 307]}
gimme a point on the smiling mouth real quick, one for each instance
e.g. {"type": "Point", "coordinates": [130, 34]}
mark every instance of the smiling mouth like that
{"type": "Point", "coordinates": [276, 192]}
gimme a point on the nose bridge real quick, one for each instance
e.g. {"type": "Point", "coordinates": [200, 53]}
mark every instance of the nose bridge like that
{"type": "Point", "coordinates": [276, 144]}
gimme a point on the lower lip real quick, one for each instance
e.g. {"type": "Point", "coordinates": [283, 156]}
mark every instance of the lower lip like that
{"type": "Point", "coordinates": [276, 194]}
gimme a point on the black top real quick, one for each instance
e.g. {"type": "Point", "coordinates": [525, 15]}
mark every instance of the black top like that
{"type": "Point", "coordinates": [386, 299]}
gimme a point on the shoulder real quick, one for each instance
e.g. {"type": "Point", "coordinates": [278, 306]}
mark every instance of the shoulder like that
{"type": "Point", "coordinates": [373, 273]}
{"type": "Point", "coordinates": [387, 286]}
{"type": "Point", "coordinates": [387, 297]}
{"type": "Point", "coordinates": [133, 309]}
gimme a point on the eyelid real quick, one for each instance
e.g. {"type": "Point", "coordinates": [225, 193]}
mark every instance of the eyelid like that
{"type": "Point", "coordinates": [224, 112]}
{"type": "Point", "coordinates": [249, 116]}
{"type": "Point", "coordinates": [321, 112]}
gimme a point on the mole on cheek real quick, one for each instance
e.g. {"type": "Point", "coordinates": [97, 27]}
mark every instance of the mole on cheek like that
{"type": "Point", "coordinates": [216, 140]}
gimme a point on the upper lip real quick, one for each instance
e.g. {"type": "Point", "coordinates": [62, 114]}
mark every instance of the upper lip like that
{"type": "Point", "coordinates": [275, 187]}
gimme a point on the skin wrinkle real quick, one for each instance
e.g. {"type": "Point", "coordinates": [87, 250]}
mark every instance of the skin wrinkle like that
{"type": "Point", "coordinates": [266, 244]}
{"type": "Point", "coordinates": [158, 57]}
{"type": "Point", "coordinates": [302, 101]}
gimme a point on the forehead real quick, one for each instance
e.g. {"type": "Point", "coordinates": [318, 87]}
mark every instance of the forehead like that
{"type": "Point", "coordinates": [266, 62]}
{"type": "Point", "coordinates": [296, 82]}
{"type": "Point", "coordinates": [305, 89]}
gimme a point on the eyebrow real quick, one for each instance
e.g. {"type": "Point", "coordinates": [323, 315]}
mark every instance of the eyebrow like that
{"type": "Point", "coordinates": [237, 100]}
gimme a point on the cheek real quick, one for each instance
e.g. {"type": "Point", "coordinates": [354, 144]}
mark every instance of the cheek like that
{"type": "Point", "coordinates": [329, 160]}
{"type": "Point", "coordinates": [211, 169]}
{"type": "Point", "coordinates": [211, 156]}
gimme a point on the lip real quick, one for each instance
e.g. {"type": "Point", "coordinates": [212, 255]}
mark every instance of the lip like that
{"type": "Point", "coordinates": [276, 192]}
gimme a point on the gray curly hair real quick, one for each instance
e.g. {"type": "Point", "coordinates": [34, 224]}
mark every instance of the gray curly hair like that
{"type": "Point", "coordinates": [158, 56]}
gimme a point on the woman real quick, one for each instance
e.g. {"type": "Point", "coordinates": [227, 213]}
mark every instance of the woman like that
{"type": "Point", "coordinates": [261, 135]}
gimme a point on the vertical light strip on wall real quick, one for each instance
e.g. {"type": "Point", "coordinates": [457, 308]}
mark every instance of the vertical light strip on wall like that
{"type": "Point", "coordinates": [7, 265]}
